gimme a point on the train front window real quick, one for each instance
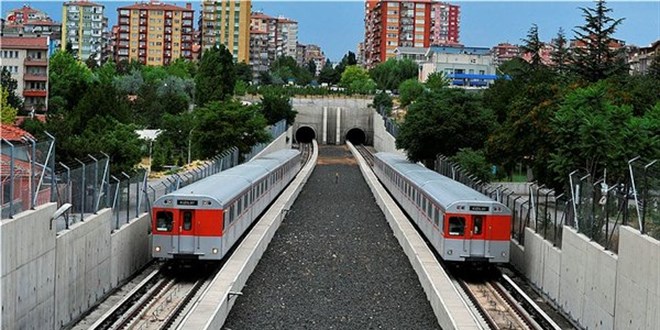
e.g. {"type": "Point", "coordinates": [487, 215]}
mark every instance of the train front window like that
{"type": "Point", "coordinates": [478, 224]}
{"type": "Point", "coordinates": [164, 221]}
{"type": "Point", "coordinates": [187, 220]}
{"type": "Point", "coordinates": [456, 226]}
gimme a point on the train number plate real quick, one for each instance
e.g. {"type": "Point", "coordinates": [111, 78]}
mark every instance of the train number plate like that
{"type": "Point", "coordinates": [479, 208]}
{"type": "Point", "coordinates": [186, 202]}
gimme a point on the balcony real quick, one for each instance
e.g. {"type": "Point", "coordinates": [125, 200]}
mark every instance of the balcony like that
{"type": "Point", "coordinates": [35, 93]}
{"type": "Point", "coordinates": [35, 62]}
{"type": "Point", "coordinates": [35, 77]}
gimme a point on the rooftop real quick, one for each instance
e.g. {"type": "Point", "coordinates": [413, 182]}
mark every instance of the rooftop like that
{"type": "Point", "coordinates": [13, 133]}
{"type": "Point", "coordinates": [155, 6]}
{"type": "Point", "coordinates": [23, 42]}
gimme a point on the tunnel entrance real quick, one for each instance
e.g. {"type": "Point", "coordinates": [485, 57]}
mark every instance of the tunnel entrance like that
{"type": "Point", "coordinates": [356, 136]}
{"type": "Point", "coordinates": [305, 134]}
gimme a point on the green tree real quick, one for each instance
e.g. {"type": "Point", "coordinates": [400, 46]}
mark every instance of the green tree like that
{"type": "Point", "coordinates": [68, 79]}
{"type": "Point", "coordinates": [391, 73]}
{"type": "Point", "coordinates": [382, 101]}
{"type": "Point", "coordinates": [560, 54]}
{"type": "Point", "coordinates": [10, 84]}
{"type": "Point", "coordinates": [216, 77]}
{"type": "Point", "coordinates": [592, 134]}
{"type": "Point", "coordinates": [532, 45]}
{"type": "Point", "coordinates": [596, 60]}
{"type": "Point", "coordinates": [276, 106]}
{"type": "Point", "coordinates": [409, 91]}
{"type": "Point", "coordinates": [7, 111]}
{"type": "Point", "coordinates": [182, 68]}
{"type": "Point", "coordinates": [287, 69]}
{"type": "Point", "coordinates": [356, 80]}
{"type": "Point", "coordinates": [654, 68]}
{"type": "Point", "coordinates": [442, 123]}
{"type": "Point", "coordinates": [328, 74]}
{"type": "Point", "coordinates": [474, 162]}
{"type": "Point", "coordinates": [130, 83]}
{"type": "Point", "coordinates": [311, 68]}
{"type": "Point", "coordinates": [219, 126]}
{"type": "Point", "coordinates": [346, 61]}
{"type": "Point", "coordinates": [437, 81]}
{"type": "Point", "coordinates": [244, 72]}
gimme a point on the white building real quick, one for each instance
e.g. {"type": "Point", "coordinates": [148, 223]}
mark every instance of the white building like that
{"type": "Point", "coordinates": [464, 66]}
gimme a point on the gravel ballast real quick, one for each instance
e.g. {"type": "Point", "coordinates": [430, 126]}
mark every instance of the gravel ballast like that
{"type": "Point", "coordinates": [333, 263]}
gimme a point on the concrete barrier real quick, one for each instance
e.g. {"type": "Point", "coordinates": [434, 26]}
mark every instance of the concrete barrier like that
{"type": "Point", "coordinates": [211, 310]}
{"type": "Point", "coordinates": [83, 267]}
{"type": "Point", "coordinates": [27, 284]}
{"type": "Point", "coordinates": [130, 249]}
{"type": "Point", "coordinates": [542, 263]}
{"type": "Point", "coordinates": [384, 141]}
{"type": "Point", "coordinates": [449, 308]}
{"type": "Point", "coordinates": [638, 281]}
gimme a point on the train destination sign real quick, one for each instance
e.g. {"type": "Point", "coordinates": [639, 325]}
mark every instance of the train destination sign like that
{"type": "Point", "coordinates": [478, 208]}
{"type": "Point", "coordinates": [186, 202]}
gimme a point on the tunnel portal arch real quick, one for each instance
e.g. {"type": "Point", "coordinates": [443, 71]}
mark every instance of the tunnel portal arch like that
{"type": "Point", "coordinates": [356, 136]}
{"type": "Point", "coordinates": [305, 134]}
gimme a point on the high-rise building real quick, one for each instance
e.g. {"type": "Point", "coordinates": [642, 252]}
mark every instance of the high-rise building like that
{"type": "Point", "coordinates": [407, 23]}
{"type": "Point", "coordinates": [30, 22]}
{"type": "Point", "coordinates": [445, 23]}
{"type": "Point", "coordinates": [154, 33]}
{"type": "Point", "coordinates": [83, 26]}
{"type": "Point", "coordinates": [227, 22]}
{"type": "Point", "coordinates": [26, 59]}
{"type": "Point", "coordinates": [270, 38]}
{"type": "Point", "coordinates": [310, 53]}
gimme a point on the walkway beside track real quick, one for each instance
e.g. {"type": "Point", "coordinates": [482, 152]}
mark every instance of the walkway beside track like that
{"type": "Point", "coordinates": [334, 262]}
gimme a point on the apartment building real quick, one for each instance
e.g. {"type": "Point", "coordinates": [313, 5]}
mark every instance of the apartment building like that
{"type": "Point", "coordinates": [503, 52]}
{"type": "Point", "coordinates": [270, 38]}
{"type": "Point", "coordinates": [26, 58]}
{"type": "Point", "coordinates": [313, 53]}
{"type": "Point", "coordinates": [154, 33]}
{"type": "Point", "coordinates": [30, 22]}
{"type": "Point", "coordinates": [445, 23]}
{"type": "Point", "coordinates": [227, 22]}
{"type": "Point", "coordinates": [641, 58]}
{"type": "Point", "coordinates": [407, 23]}
{"type": "Point", "coordinates": [83, 27]}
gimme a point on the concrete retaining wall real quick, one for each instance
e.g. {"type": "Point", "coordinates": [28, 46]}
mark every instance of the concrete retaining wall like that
{"type": "Point", "coordinates": [383, 141]}
{"type": "Point", "coordinates": [281, 142]}
{"type": "Point", "coordinates": [28, 269]}
{"type": "Point", "coordinates": [83, 267]}
{"type": "Point", "coordinates": [638, 281]}
{"type": "Point", "coordinates": [130, 249]}
{"type": "Point", "coordinates": [50, 279]}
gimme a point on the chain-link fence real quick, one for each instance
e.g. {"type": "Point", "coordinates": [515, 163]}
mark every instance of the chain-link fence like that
{"type": "Point", "coordinates": [26, 173]}
{"type": "Point", "coordinates": [644, 193]}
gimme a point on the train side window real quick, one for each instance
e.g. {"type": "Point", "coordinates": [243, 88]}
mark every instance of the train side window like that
{"type": "Point", "coordinates": [456, 226]}
{"type": "Point", "coordinates": [187, 220]}
{"type": "Point", "coordinates": [436, 215]}
{"type": "Point", "coordinates": [164, 221]}
{"type": "Point", "coordinates": [429, 209]}
{"type": "Point", "coordinates": [478, 224]}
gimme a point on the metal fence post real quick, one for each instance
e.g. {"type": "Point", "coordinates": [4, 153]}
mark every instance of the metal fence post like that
{"type": "Point", "coordinates": [67, 190]}
{"type": "Point", "coordinates": [645, 197]}
{"type": "Point", "coordinates": [128, 196]}
{"type": "Point", "coordinates": [114, 204]}
{"type": "Point", "coordinates": [82, 191]}
{"type": "Point", "coordinates": [11, 178]}
{"type": "Point", "coordinates": [96, 178]}
{"type": "Point", "coordinates": [51, 149]}
{"type": "Point", "coordinates": [33, 160]}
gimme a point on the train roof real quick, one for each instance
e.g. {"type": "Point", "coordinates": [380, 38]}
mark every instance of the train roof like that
{"type": "Point", "coordinates": [226, 185]}
{"type": "Point", "coordinates": [441, 188]}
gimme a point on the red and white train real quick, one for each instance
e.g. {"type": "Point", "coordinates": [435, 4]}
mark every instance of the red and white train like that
{"type": "Point", "coordinates": [203, 220]}
{"type": "Point", "coordinates": [462, 224]}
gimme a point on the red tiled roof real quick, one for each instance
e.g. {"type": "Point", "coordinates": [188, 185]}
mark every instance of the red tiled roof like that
{"type": "Point", "coordinates": [13, 133]}
{"type": "Point", "coordinates": [23, 43]}
{"type": "Point", "coordinates": [260, 15]}
{"type": "Point", "coordinates": [285, 20]}
{"type": "Point", "coordinates": [155, 6]}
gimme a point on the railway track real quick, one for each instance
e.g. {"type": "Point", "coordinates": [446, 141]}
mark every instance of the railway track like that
{"type": "Point", "coordinates": [155, 303]}
{"type": "Point", "coordinates": [305, 152]}
{"type": "Point", "coordinates": [366, 154]}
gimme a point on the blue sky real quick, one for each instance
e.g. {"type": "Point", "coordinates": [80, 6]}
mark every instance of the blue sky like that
{"type": "Point", "coordinates": [338, 26]}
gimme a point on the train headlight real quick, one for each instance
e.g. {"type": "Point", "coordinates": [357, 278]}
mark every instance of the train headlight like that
{"type": "Point", "coordinates": [157, 248]}
{"type": "Point", "coordinates": [449, 252]}
{"type": "Point", "coordinates": [504, 253]}
{"type": "Point", "coordinates": [215, 251]}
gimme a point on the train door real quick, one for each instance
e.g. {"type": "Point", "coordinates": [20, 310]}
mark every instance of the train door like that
{"type": "Point", "coordinates": [186, 232]}
{"type": "Point", "coordinates": [477, 236]}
